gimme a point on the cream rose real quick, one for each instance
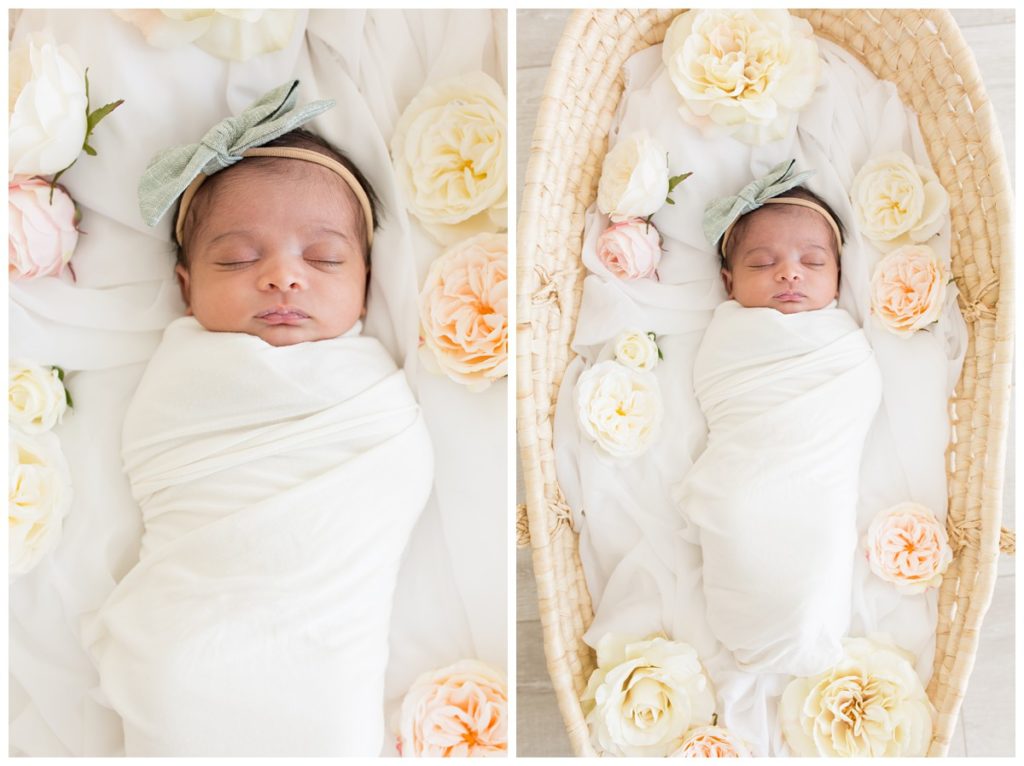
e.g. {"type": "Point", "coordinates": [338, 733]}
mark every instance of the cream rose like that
{"type": "Point", "coordinates": [630, 249]}
{"type": "Point", "coordinates": [712, 742]}
{"type": "Point", "coordinates": [464, 312]}
{"type": "Point", "coordinates": [449, 150]}
{"type": "Point", "coordinates": [42, 233]}
{"type": "Point", "coordinates": [619, 408]}
{"type": "Point", "coordinates": [634, 178]}
{"type": "Point", "coordinates": [36, 398]}
{"type": "Point", "coordinates": [645, 695]}
{"type": "Point", "coordinates": [897, 202]}
{"type": "Point", "coordinates": [742, 73]}
{"type": "Point", "coordinates": [908, 289]}
{"type": "Point", "coordinates": [460, 710]}
{"type": "Point", "coordinates": [907, 546]}
{"type": "Point", "coordinates": [870, 704]}
{"type": "Point", "coordinates": [637, 350]}
{"type": "Point", "coordinates": [39, 496]}
{"type": "Point", "coordinates": [235, 34]}
{"type": "Point", "coordinates": [48, 121]}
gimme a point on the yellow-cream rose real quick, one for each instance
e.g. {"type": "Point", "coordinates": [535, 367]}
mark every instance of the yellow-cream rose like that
{"type": "Point", "coordinates": [742, 73]}
{"type": "Point", "coordinates": [39, 496]}
{"type": "Point", "coordinates": [464, 312]}
{"type": "Point", "coordinates": [637, 350]}
{"type": "Point", "coordinates": [907, 546]}
{"type": "Point", "coordinates": [36, 399]}
{"type": "Point", "coordinates": [634, 178]}
{"type": "Point", "coordinates": [47, 124]}
{"type": "Point", "coordinates": [234, 34]}
{"type": "Point", "coordinates": [645, 695]}
{"type": "Point", "coordinates": [870, 704]}
{"type": "Point", "coordinates": [712, 742]}
{"type": "Point", "coordinates": [619, 408]}
{"type": "Point", "coordinates": [449, 150]}
{"type": "Point", "coordinates": [460, 710]}
{"type": "Point", "coordinates": [908, 289]}
{"type": "Point", "coordinates": [897, 202]}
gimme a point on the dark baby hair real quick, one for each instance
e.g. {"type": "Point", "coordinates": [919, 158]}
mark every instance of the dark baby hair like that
{"type": "Point", "coordinates": [299, 138]}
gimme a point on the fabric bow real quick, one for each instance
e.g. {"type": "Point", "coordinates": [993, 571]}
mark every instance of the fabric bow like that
{"type": "Point", "coordinates": [720, 213]}
{"type": "Point", "coordinates": [172, 170]}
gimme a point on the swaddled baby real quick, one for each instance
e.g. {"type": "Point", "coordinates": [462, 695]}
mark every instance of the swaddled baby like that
{"type": "Point", "coordinates": [262, 446]}
{"type": "Point", "coordinates": [789, 387]}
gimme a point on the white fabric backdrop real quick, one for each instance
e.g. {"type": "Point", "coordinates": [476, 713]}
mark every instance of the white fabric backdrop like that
{"type": "Point", "coordinates": [643, 576]}
{"type": "Point", "coordinates": [451, 599]}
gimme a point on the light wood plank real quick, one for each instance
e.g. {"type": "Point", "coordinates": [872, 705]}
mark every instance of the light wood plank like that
{"type": "Point", "coordinates": [526, 587]}
{"type": "Point", "coordinates": [537, 35]}
{"type": "Point", "coordinates": [539, 727]}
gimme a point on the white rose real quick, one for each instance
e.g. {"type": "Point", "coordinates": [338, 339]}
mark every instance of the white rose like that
{"type": "Point", "coordinates": [619, 408]}
{"type": "Point", "coordinates": [637, 350]}
{"type": "Point", "coordinates": [235, 34]}
{"type": "Point", "coordinates": [449, 150]}
{"type": "Point", "coordinates": [634, 178]}
{"type": "Point", "coordinates": [39, 497]}
{"type": "Point", "coordinates": [645, 695]}
{"type": "Point", "coordinates": [36, 399]}
{"type": "Point", "coordinates": [871, 703]}
{"type": "Point", "coordinates": [48, 122]}
{"type": "Point", "coordinates": [897, 202]}
{"type": "Point", "coordinates": [742, 73]}
{"type": "Point", "coordinates": [908, 289]}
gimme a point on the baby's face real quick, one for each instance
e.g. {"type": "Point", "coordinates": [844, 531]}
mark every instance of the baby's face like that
{"type": "Point", "coordinates": [784, 259]}
{"type": "Point", "coordinates": [277, 253]}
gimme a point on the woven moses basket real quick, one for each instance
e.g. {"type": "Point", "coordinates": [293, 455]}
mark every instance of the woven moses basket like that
{"type": "Point", "coordinates": [924, 55]}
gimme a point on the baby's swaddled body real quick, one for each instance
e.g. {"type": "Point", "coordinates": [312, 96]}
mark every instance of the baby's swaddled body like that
{"type": "Point", "coordinates": [772, 500]}
{"type": "Point", "coordinates": [256, 621]}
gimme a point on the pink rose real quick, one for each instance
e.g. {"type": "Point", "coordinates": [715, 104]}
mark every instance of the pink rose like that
{"type": "Point", "coordinates": [630, 249]}
{"type": "Point", "coordinates": [460, 710]}
{"type": "Point", "coordinates": [711, 742]}
{"type": "Point", "coordinates": [908, 289]}
{"type": "Point", "coordinates": [907, 546]}
{"type": "Point", "coordinates": [464, 312]}
{"type": "Point", "coordinates": [42, 236]}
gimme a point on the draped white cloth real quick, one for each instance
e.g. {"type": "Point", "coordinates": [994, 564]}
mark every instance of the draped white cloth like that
{"type": "Point", "coordinates": [256, 621]}
{"type": "Point", "coordinates": [772, 500]}
{"type": "Point", "coordinates": [451, 594]}
{"type": "Point", "coordinates": [642, 572]}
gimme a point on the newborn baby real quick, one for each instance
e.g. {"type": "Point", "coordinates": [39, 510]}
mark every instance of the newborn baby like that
{"type": "Point", "coordinates": [789, 387]}
{"type": "Point", "coordinates": [261, 446]}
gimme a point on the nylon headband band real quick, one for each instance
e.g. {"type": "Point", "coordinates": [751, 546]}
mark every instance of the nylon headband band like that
{"type": "Point", "coordinates": [291, 153]}
{"type": "Point", "coordinates": [790, 201]}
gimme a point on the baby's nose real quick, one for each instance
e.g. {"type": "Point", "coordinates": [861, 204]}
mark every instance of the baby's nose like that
{"type": "Point", "coordinates": [790, 271]}
{"type": "Point", "coordinates": [282, 274]}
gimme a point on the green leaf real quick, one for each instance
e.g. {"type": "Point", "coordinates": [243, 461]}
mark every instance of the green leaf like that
{"type": "Point", "coordinates": [60, 372]}
{"type": "Point", "coordinates": [674, 181]}
{"type": "Point", "coordinates": [654, 339]}
{"type": "Point", "coordinates": [88, 150]}
{"type": "Point", "coordinates": [93, 118]}
{"type": "Point", "coordinates": [669, 201]}
{"type": "Point", "coordinates": [68, 399]}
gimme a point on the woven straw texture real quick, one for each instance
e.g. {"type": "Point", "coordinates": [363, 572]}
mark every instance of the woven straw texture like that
{"type": "Point", "coordinates": [923, 53]}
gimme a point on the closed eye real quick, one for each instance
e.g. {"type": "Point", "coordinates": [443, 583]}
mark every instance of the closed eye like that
{"type": "Point", "coordinates": [324, 262]}
{"type": "Point", "coordinates": [234, 264]}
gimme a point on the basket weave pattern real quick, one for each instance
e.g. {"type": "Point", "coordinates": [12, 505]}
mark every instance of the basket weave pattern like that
{"type": "Point", "coordinates": [924, 55]}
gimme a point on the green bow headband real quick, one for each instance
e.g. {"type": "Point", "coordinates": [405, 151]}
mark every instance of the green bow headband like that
{"type": "Point", "coordinates": [171, 171]}
{"type": "Point", "coordinates": [722, 213]}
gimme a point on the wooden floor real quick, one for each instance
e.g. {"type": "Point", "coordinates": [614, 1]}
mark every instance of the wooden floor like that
{"type": "Point", "coordinates": [986, 725]}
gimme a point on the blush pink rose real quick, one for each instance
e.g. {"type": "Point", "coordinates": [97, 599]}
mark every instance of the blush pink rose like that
{"type": "Point", "coordinates": [42, 235]}
{"type": "Point", "coordinates": [907, 546]}
{"type": "Point", "coordinates": [630, 249]}
{"type": "Point", "coordinates": [464, 312]}
{"type": "Point", "coordinates": [711, 742]}
{"type": "Point", "coordinates": [908, 289]}
{"type": "Point", "coordinates": [460, 710]}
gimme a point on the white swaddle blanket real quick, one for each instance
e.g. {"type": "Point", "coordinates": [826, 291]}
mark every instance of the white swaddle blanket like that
{"type": "Point", "coordinates": [772, 500]}
{"type": "Point", "coordinates": [279, 487]}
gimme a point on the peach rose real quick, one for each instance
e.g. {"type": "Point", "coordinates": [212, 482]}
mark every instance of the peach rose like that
{"type": "Point", "coordinates": [460, 710]}
{"type": "Point", "coordinates": [744, 73]}
{"type": "Point", "coordinates": [908, 289]}
{"type": "Point", "coordinates": [42, 234]}
{"type": "Point", "coordinates": [464, 312]}
{"type": "Point", "coordinates": [711, 742]}
{"type": "Point", "coordinates": [630, 249]}
{"type": "Point", "coordinates": [870, 704]}
{"type": "Point", "coordinates": [234, 34]}
{"type": "Point", "coordinates": [907, 546]}
{"type": "Point", "coordinates": [897, 202]}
